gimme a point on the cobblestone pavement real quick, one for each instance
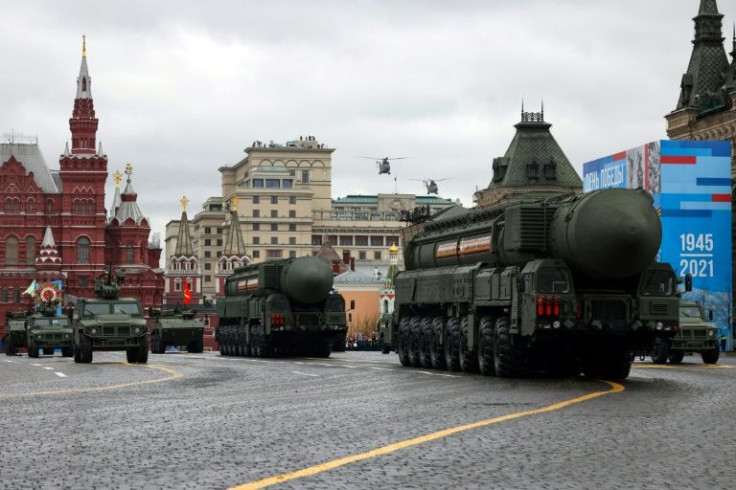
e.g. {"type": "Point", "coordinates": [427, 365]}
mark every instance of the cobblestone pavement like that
{"type": "Point", "coordinates": [205, 421]}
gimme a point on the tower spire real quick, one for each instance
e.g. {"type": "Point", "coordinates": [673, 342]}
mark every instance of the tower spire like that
{"type": "Point", "coordinates": [84, 46]}
{"type": "Point", "coordinates": [83, 123]}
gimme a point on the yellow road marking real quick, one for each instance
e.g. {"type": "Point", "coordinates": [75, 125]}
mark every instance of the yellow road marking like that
{"type": "Point", "coordinates": [670, 366]}
{"type": "Point", "coordinates": [173, 375]}
{"type": "Point", "coordinates": [336, 463]}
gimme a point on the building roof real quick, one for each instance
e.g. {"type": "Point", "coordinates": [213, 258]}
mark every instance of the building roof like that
{"type": "Point", "coordinates": [26, 150]}
{"type": "Point", "coordinates": [701, 85]}
{"type": "Point", "coordinates": [128, 208]}
{"type": "Point", "coordinates": [533, 159]}
{"type": "Point", "coordinates": [184, 246]}
{"type": "Point", "coordinates": [234, 244]}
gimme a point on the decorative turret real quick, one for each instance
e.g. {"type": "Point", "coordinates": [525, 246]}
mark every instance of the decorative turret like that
{"type": "Point", "coordinates": [83, 122]}
{"type": "Point", "coordinates": [128, 208]}
{"type": "Point", "coordinates": [233, 253]}
{"type": "Point", "coordinates": [48, 256]}
{"type": "Point", "coordinates": [700, 85]}
{"type": "Point", "coordinates": [533, 163]}
{"type": "Point", "coordinates": [184, 247]}
{"type": "Point", "coordinates": [183, 274]}
{"type": "Point", "coordinates": [117, 176]}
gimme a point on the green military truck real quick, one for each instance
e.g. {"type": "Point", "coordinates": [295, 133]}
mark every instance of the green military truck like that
{"type": "Point", "coordinates": [46, 331]}
{"type": "Point", "coordinates": [109, 323]}
{"type": "Point", "coordinates": [695, 335]}
{"type": "Point", "coordinates": [15, 331]}
{"type": "Point", "coordinates": [176, 327]}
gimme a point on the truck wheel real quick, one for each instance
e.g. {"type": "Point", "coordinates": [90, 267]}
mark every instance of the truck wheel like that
{"type": "Point", "coordinates": [322, 348]}
{"type": "Point", "coordinates": [265, 347]}
{"type": "Point", "coordinates": [675, 357]}
{"type": "Point", "coordinates": [11, 349]}
{"type": "Point", "coordinates": [618, 362]}
{"type": "Point", "coordinates": [142, 357]}
{"type": "Point", "coordinates": [452, 342]}
{"type": "Point", "coordinates": [85, 349]}
{"type": "Point", "coordinates": [507, 358]}
{"type": "Point", "coordinates": [48, 352]}
{"type": "Point", "coordinates": [436, 352]}
{"type": "Point", "coordinates": [425, 335]}
{"type": "Point", "coordinates": [32, 349]}
{"type": "Point", "coordinates": [196, 347]}
{"type": "Point", "coordinates": [660, 351]}
{"type": "Point", "coordinates": [467, 359]}
{"type": "Point", "coordinates": [485, 347]}
{"type": "Point", "coordinates": [416, 330]}
{"type": "Point", "coordinates": [711, 356]}
{"type": "Point", "coordinates": [403, 342]}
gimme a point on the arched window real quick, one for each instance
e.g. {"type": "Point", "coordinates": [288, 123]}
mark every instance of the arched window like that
{"type": "Point", "coordinates": [30, 206]}
{"type": "Point", "coordinates": [12, 205]}
{"type": "Point", "coordinates": [177, 284]}
{"type": "Point", "coordinates": [30, 250]}
{"type": "Point", "coordinates": [11, 250]}
{"type": "Point", "coordinates": [129, 254]}
{"type": "Point", "coordinates": [49, 206]}
{"type": "Point", "coordinates": [83, 250]}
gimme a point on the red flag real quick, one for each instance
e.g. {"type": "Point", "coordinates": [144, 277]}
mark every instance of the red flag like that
{"type": "Point", "coordinates": [187, 293]}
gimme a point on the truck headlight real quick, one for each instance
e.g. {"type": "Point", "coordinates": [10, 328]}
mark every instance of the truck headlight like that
{"type": "Point", "coordinates": [711, 333]}
{"type": "Point", "coordinates": [556, 324]}
{"type": "Point", "coordinates": [93, 331]}
{"type": "Point", "coordinates": [659, 326]}
{"type": "Point", "coordinates": [137, 329]}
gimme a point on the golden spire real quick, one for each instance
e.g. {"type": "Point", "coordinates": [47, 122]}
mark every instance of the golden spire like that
{"type": "Point", "coordinates": [234, 203]}
{"type": "Point", "coordinates": [118, 177]}
{"type": "Point", "coordinates": [84, 46]}
{"type": "Point", "coordinates": [184, 201]}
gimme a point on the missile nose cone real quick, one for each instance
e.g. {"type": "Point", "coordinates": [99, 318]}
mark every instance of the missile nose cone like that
{"type": "Point", "coordinates": [307, 279]}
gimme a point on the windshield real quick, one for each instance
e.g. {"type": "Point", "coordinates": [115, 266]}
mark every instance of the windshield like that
{"type": "Point", "coordinates": [127, 308]}
{"type": "Point", "coordinates": [553, 280]}
{"type": "Point", "coordinates": [659, 283]}
{"type": "Point", "coordinates": [50, 322]}
{"type": "Point", "coordinates": [690, 311]}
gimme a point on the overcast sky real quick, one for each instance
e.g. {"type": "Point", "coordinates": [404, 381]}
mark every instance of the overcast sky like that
{"type": "Point", "coordinates": [182, 87]}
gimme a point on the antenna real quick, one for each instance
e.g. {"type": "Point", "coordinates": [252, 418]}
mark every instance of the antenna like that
{"type": "Point", "coordinates": [396, 185]}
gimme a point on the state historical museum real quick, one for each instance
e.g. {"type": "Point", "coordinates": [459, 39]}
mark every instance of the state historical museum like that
{"type": "Point", "coordinates": [54, 225]}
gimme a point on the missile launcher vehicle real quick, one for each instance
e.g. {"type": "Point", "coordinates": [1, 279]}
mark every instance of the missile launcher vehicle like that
{"type": "Point", "coordinates": [15, 332]}
{"type": "Point", "coordinates": [108, 322]}
{"type": "Point", "coordinates": [557, 282]}
{"type": "Point", "coordinates": [280, 307]}
{"type": "Point", "coordinates": [46, 331]}
{"type": "Point", "coordinates": [178, 327]}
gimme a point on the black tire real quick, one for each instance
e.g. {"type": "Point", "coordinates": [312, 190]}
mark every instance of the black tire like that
{"type": "Point", "coordinates": [416, 331]}
{"type": "Point", "coordinates": [467, 359]}
{"type": "Point", "coordinates": [452, 342]}
{"type": "Point", "coordinates": [195, 346]}
{"type": "Point", "coordinates": [11, 349]}
{"type": "Point", "coordinates": [322, 348]}
{"type": "Point", "coordinates": [67, 351]}
{"type": "Point", "coordinates": [617, 363]}
{"type": "Point", "coordinates": [508, 358]}
{"type": "Point", "coordinates": [425, 335]}
{"type": "Point", "coordinates": [142, 357]}
{"type": "Point", "coordinates": [403, 342]}
{"type": "Point", "coordinates": [676, 356]}
{"type": "Point", "coordinates": [710, 356]}
{"type": "Point", "coordinates": [76, 353]}
{"type": "Point", "coordinates": [265, 347]}
{"type": "Point", "coordinates": [485, 347]}
{"type": "Point", "coordinates": [436, 350]}
{"type": "Point", "coordinates": [85, 349]}
{"type": "Point", "coordinates": [242, 345]}
{"type": "Point", "coordinates": [48, 351]}
{"type": "Point", "coordinates": [32, 348]}
{"type": "Point", "coordinates": [659, 351]}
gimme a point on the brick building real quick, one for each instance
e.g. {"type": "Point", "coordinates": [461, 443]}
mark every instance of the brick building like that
{"type": "Point", "coordinates": [54, 225]}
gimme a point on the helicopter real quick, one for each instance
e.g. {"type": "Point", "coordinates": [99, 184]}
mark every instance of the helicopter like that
{"type": "Point", "coordinates": [382, 163]}
{"type": "Point", "coordinates": [431, 184]}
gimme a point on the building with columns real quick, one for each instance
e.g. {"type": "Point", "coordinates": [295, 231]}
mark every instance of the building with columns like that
{"type": "Point", "coordinates": [53, 223]}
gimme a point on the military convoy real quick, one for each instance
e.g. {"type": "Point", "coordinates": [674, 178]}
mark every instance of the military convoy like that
{"type": "Point", "coordinates": [696, 335]}
{"type": "Point", "coordinates": [561, 283]}
{"type": "Point", "coordinates": [46, 331]}
{"type": "Point", "coordinates": [177, 327]}
{"type": "Point", "coordinates": [280, 307]}
{"type": "Point", "coordinates": [109, 323]}
{"type": "Point", "coordinates": [15, 332]}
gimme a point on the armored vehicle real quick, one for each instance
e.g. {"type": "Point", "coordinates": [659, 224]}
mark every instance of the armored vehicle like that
{"type": "Point", "coordinates": [176, 327]}
{"type": "Point", "coordinates": [15, 331]}
{"type": "Point", "coordinates": [47, 331]}
{"type": "Point", "coordinates": [695, 335]}
{"type": "Point", "coordinates": [561, 283]}
{"type": "Point", "coordinates": [280, 307]}
{"type": "Point", "coordinates": [109, 323]}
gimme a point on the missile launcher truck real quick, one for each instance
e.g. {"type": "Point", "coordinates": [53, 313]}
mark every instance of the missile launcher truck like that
{"type": "Point", "coordinates": [15, 331]}
{"type": "Point", "coordinates": [108, 322]}
{"type": "Point", "coordinates": [560, 283]}
{"type": "Point", "coordinates": [280, 307]}
{"type": "Point", "coordinates": [177, 327]}
{"type": "Point", "coordinates": [46, 331]}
